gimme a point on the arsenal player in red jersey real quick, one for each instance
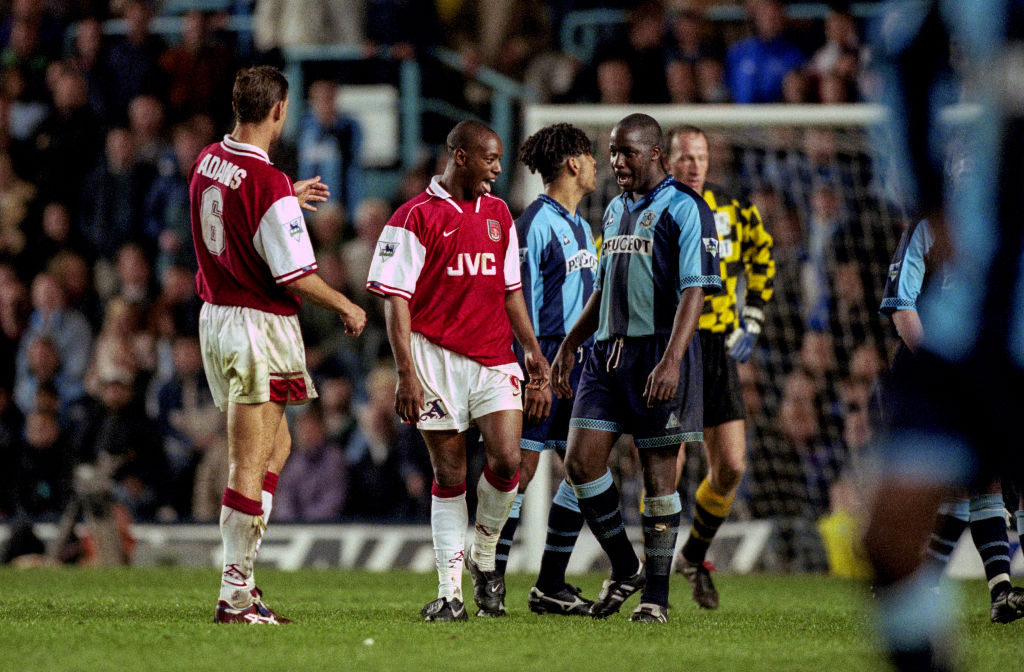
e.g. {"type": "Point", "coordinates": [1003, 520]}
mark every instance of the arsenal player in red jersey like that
{"type": "Point", "coordinates": [255, 264]}
{"type": "Point", "coordinates": [448, 264]}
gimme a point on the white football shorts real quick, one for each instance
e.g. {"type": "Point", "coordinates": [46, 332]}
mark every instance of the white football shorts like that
{"type": "Point", "coordinates": [457, 390]}
{"type": "Point", "coordinates": [252, 356]}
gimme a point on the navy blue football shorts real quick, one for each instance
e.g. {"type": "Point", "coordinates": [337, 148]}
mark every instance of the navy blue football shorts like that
{"type": "Point", "coordinates": [611, 393]}
{"type": "Point", "coordinates": [552, 433]}
{"type": "Point", "coordinates": [954, 423]}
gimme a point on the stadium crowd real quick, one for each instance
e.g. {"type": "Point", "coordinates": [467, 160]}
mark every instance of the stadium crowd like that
{"type": "Point", "coordinates": [99, 358]}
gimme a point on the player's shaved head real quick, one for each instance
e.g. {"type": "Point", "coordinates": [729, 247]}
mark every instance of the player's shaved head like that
{"type": "Point", "coordinates": [467, 135]}
{"type": "Point", "coordinates": [647, 129]}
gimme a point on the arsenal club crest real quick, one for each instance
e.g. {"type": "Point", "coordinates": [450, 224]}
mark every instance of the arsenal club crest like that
{"type": "Point", "coordinates": [494, 230]}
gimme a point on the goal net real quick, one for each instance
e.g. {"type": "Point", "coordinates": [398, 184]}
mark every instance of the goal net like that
{"type": "Point", "coordinates": [827, 204]}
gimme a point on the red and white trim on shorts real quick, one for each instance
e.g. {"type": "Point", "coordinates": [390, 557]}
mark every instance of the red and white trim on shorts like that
{"type": "Point", "coordinates": [290, 386]}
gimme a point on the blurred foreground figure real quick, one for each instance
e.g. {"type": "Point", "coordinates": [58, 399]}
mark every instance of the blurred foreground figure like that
{"type": "Point", "coordinates": [950, 413]}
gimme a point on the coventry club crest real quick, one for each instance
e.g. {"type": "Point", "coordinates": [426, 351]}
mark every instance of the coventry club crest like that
{"type": "Point", "coordinates": [494, 230]}
{"type": "Point", "coordinates": [647, 219]}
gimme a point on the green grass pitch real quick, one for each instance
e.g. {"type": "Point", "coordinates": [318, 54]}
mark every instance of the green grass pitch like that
{"type": "Point", "coordinates": [160, 619]}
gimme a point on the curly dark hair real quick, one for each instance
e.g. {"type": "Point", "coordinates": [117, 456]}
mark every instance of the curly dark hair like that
{"type": "Point", "coordinates": [546, 150]}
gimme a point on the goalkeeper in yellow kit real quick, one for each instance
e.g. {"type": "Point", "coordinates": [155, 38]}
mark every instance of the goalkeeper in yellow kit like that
{"type": "Point", "coordinates": [727, 337]}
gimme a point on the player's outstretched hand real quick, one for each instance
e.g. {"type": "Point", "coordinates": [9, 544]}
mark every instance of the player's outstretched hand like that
{"type": "Point", "coordinates": [662, 383]}
{"type": "Point", "coordinates": [561, 367]}
{"type": "Point", "coordinates": [408, 397]}
{"type": "Point", "coordinates": [311, 191]}
{"type": "Point", "coordinates": [354, 319]}
{"type": "Point", "coordinates": [537, 369]}
{"type": "Point", "coordinates": [537, 405]}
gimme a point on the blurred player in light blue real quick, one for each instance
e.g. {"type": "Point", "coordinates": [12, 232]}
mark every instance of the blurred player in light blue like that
{"type": "Point", "coordinates": [911, 269]}
{"type": "Point", "coordinates": [953, 414]}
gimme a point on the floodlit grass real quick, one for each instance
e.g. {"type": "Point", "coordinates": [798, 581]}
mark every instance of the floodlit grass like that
{"type": "Point", "coordinates": [160, 619]}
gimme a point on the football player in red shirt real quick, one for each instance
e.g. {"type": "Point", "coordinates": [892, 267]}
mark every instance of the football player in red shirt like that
{"type": "Point", "coordinates": [448, 264]}
{"type": "Point", "coordinates": [255, 263]}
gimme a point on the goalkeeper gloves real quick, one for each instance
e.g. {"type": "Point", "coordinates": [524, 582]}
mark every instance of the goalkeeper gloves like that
{"type": "Point", "coordinates": [740, 342]}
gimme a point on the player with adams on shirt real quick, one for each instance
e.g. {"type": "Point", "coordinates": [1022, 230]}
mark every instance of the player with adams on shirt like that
{"type": "Point", "coordinates": [255, 263]}
{"type": "Point", "coordinates": [448, 264]}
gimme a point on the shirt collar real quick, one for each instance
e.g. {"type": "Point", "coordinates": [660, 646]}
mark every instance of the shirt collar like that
{"type": "Point", "coordinates": [435, 189]}
{"type": "Point", "coordinates": [237, 147]}
{"type": "Point", "coordinates": [559, 208]}
{"type": "Point", "coordinates": [649, 196]}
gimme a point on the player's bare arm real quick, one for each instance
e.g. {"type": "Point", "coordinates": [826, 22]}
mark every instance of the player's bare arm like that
{"type": "Point", "coordinates": [409, 392]}
{"type": "Point", "coordinates": [311, 191]}
{"type": "Point", "coordinates": [313, 288]}
{"type": "Point", "coordinates": [565, 358]}
{"type": "Point", "coordinates": [537, 367]}
{"type": "Point", "coordinates": [537, 399]}
{"type": "Point", "coordinates": [908, 324]}
{"type": "Point", "coordinates": [663, 381]}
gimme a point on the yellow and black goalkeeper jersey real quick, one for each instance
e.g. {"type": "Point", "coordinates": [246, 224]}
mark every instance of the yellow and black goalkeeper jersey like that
{"type": "Point", "coordinates": [744, 247]}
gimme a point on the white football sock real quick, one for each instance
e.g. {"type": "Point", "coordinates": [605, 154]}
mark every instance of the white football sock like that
{"type": "Point", "coordinates": [492, 508]}
{"type": "Point", "coordinates": [240, 533]}
{"type": "Point", "coordinates": [449, 518]}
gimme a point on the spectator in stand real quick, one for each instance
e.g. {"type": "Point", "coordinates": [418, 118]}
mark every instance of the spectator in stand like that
{"type": "Point", "coordinates": [14, 312]}
{"type": "Point", "coordinates": [42, 366]}
{"type": "Point", "coordinates": [113, 197]}
{"type": "Point", "coordinates": [188, 420]}
{"type": "Point", "coordinates": [691, 39]}
{"type": "Point", "coordinates": [800, 425]}
{"type": "Point", "coordinates": [695, 70]}
{"type": "Point", "coordinates": [16, 196]}
{"type": "Point", "coordinates": [313, 485]}
{"type": "Point", "coordinates": [24, 53]}
{"type": "Point", "coordinates": [386, 479]}
{"type": "Point", "coordinates": [408, 27]}
{"type": "Point", "coordinates": [42, 470]}
{"type": "Point", "coordinates": [24, 114]}
{"type": "Point", "coordinates": [74, 276]}
{"type": "Point", "coordinates": [199, 71]}
{"type": "Point", "coordinates": [644, 50]}
{"type": "Point", "coordinates": [167, 205]}
{"type": "Point", "coordinates": [66, 327]}
{"type": "Point", "coordinates": [841, 39]}
{"type": "Point", "coordinates": [278, 24]}
{"type": "Point", "coordinates": [118, 438]}
{"type": "Point", "coordinates": [336, 402]}
{"type": "Point", "coordinates": [39, 15]}
{"type": "Point", "coordinates": [327, 228]}
{"type": "Point", "coordinates": [90, 58]}
{"type": "Point", "coordinates": [69, 140]}
{"type": "Point", "coordinates": [500, 35]}
{"type": "Point", "coordinates": [614, 82]}
{"type": "Point", "coordinates": [371, 218]}
{"type": "Point", "coordinates": [757, 66]}
{"type": "Point", "coordinates": [211, 474]}
{"type": "Point", "coordinates": [122, 344]}
{"type": "Point", "coordinates": [54, 235]}
{"type": "Point", "coordinates": [329, 145]}
{"type": "Point", "coordinates": [146, 122]}
{"type": "Point", "coordinates": [133, 278]}
{"type": "Point", "coordinates": [133, 61]}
